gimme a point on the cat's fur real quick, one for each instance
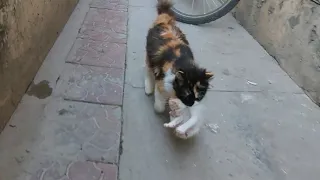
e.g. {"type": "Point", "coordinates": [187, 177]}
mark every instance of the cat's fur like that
{"type": "Point", "coordinates": [171, 70]}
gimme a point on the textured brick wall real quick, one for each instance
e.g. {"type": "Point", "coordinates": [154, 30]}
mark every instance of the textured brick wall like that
{"type": "Point", "coordinates": [289, 30]}
{"type": "Point", "coordinates": [28, 29]}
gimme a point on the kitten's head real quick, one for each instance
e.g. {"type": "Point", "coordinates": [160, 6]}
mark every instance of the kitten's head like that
{"type": "Point", "coordinates": [191, 84]}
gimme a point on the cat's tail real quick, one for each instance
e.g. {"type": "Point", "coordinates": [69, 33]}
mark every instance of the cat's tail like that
{"type": "Point", "coordinates": [164, 7]}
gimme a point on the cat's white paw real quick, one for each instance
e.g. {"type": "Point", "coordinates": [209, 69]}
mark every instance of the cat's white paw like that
{"type": "Point", "coordinates": [159, 107]}
{"type": "Point", "coordinates": [148, 87]}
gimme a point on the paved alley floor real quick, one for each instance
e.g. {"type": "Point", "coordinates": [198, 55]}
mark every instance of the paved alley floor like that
{"type": "Point", "coordinates": [86, 117]}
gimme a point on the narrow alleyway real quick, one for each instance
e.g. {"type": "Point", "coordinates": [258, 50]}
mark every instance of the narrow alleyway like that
{"type": "Point", "coordinates": [86, 117]}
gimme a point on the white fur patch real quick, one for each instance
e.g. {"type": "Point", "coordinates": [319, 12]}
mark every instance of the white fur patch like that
{"type": "Point", "coordinates": [167, 81]}
{"type": "Point", "coordinates": [159, 101]}
{"type": "Point", "coordinates": [192, 126]}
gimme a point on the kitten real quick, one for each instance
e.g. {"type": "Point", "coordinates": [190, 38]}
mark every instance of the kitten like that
{"type": "Point", "coordinates": [171, 71]}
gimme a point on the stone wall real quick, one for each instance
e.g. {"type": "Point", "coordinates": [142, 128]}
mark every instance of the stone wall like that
{"type": "Point", "coordinates": [28, 29]}
{"type": "Point", "coordinates": [289, 30]}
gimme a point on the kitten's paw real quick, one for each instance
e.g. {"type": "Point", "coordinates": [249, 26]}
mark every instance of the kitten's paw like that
{"type": "Point", "coordinates": [181, 133]}
{"type": "Point", "coordinates": [172, 124]}
{"type": "Point", "coordinates": [168, 125]}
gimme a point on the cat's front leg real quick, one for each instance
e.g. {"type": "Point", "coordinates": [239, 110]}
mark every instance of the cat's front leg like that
{"type": "Point", "coordinates": [148, 81]}
{"type": "Point", "coordinates": [193, 125]}
{"type": "Point", "coordinates": [159, 100]}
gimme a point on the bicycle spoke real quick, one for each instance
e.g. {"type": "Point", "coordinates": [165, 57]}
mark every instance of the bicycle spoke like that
{"type": "Point", "coordinates": [193, 12]}
{"type": "Point", "coordinates": [208, 4]}
{"type": "Point", "coordinates": [215, 3]}
{"type": "Point", "coordinates": [221, 1]}
{"type": "Point", "coordinates": [192, 5]}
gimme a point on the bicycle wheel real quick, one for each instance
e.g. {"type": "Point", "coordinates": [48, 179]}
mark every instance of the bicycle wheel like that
{"type": "Point", "coordinates": [196, 17]}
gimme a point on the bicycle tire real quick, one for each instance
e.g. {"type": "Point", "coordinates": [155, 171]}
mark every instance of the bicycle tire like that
{"type": "Point", "coordinates": [206, 18]}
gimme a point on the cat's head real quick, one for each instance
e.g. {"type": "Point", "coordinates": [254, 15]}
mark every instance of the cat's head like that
{"type": "Point", "coordinates": [191, 84]}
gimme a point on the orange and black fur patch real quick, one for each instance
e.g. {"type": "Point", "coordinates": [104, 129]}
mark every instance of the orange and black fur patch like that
{"type": "Point", "coordinates": [168, 50]}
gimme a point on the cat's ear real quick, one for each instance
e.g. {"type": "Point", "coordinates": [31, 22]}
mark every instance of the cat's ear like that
{"type": "Point", "coordinates": [179, 75]}
{"type": "Point", "coordinates": [209, 75]}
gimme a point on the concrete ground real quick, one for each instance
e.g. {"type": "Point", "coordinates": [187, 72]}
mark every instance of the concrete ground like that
{"type": "Point", "coordinates": [86, 117]}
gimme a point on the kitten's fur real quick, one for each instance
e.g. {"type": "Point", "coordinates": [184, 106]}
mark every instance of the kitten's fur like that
{"type": "Point", "coordinates": [171, 70]}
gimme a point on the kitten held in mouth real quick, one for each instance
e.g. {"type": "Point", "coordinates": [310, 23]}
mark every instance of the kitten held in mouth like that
{"type": "Point", "coordinates": [171, 71]}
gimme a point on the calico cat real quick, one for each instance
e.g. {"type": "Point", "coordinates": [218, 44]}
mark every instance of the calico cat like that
{"type": "Point", "coordinates": [171, 71]}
